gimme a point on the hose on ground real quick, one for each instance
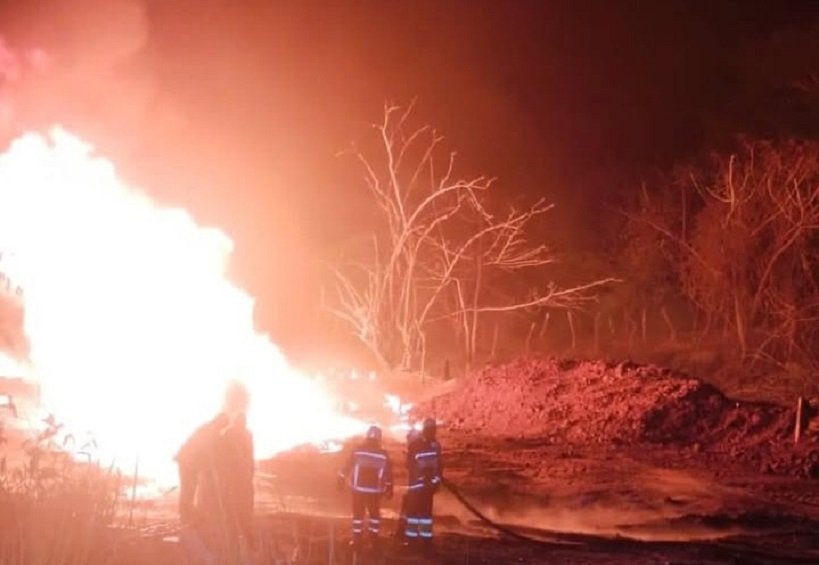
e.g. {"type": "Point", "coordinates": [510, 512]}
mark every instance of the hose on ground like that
{"type": "Point", "coordinates": [719, 549]}
{"type": "Point", "coordinates": [491, 523]}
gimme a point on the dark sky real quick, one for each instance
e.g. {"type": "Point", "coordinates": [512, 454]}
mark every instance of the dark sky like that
{"type": "Point", "coordinates": [236, 110]}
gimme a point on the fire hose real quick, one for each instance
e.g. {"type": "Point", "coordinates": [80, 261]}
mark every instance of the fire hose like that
{"type": "Point", "coordinates": [459, 496]}
{"type": "Point", "coordinates": [720, 549]}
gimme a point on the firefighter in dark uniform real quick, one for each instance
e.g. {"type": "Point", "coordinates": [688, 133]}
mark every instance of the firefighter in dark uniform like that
{"type": "Point", "coordinates": [368, 473]}
{"type": "Point", "coordinates": [401, 526]}
{"type": "Point", "coordinates": [425, 473]}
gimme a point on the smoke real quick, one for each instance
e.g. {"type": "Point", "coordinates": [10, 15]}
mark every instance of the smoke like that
{"type": "Point", "coordinates": [82, 64]}
{"type": "Point", "coordinates": [15, 67]}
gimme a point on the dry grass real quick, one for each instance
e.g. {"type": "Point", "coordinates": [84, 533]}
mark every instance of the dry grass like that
{"type": "Point", "coordinates": [54, 510]}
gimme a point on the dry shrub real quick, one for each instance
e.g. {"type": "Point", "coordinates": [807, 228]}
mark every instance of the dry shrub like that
{"type": "Point", "coordinates": [53, 509]}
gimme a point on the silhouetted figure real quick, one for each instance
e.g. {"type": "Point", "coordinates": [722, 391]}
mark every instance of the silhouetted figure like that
{"type": "Point", "coordinates": [234, 467]}
{"type": "Point", "coordinates": [194, 459]}
{"type": "Point", "coordinates": [425, 472]}
{"type": "Point", "coordinates": [368, 473]}
{"type": "Point", "coordinates": [216, 470]}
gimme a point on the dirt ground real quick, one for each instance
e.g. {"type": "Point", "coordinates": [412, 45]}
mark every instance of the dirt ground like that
{"type": "Point", "coordinates": [583, 505]}
{"type": "Point", "coordinates": [595, 462]}
{"type": "Point", "coordinates": [576, 462]}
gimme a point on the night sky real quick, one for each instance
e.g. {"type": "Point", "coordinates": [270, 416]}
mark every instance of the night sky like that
{"type": "Point", "coordinates": [236, 110]}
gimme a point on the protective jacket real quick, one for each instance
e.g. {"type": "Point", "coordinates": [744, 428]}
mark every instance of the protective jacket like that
{"type": "Point", "coordinates": [424, 464]}
{"type": "Point", "coordinates": [368, 470]}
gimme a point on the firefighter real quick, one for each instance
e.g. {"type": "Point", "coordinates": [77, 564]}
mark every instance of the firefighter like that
{"type": "Point", "coordinates": [401, 526]}
{"type": "Point", "coordinates": [425, 473]}
{"type": "Point", "coordinates": [193, 459]}
{"type": "Point", "coordinates": [368, 473]}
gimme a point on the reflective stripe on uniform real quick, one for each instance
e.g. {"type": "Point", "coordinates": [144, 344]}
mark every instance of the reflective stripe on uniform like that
{"type": "Point", "coordinates": [377, 462]}
{"type": "Point", "coordinates": [368, 490]}
{"type": "Point", "coordinates": [371, 454]}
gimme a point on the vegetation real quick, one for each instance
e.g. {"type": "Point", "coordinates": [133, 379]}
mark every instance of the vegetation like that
{"type": "Point", "coordinates": [446, 254]}
{"type": "Point", "coordinates": [740, 245]}
{"type": "Point", "coordinates": [54, 510]}
{"type": "Point", "coordinates": [714, 247]}
{"type": "Point", "coordinates": [722, 250]}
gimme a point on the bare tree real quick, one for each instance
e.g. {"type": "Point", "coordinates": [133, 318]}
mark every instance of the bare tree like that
{"type": "Point", "coordinates": [748, 258]}
{"type": "Point", "coordinates": [440, 248]}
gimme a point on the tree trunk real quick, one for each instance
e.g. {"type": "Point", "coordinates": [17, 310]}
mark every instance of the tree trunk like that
{"type": "Point", "coordinates": [740, 327]}
{"type": "Point", "coordinates": [529, 337]}
{"type": "Point", "coordinates": [423, 357]}
{"type": "Point", "coordinates": [380, 358]}
{"type": "Point", "coordinates": [597, 332]}
{"type": "Point", "coordinates": [631, 328]}
{"type": "Point", "coordinates": [643, 329]}
{"type": "Point", "coordinates": [545, 325]}
{"type": "Point", "coordinates": [570, 318]}
{"type": "Point", "coordinates": [706, 326]}
{"type": "Point", "coordinates": [672, 331]}
{"type": "Point", "coordinates": [494, 342]}
{"type": "Point", "coordinates": [464, 321]}
{"type": "Point", "coordinates": [473, 342]}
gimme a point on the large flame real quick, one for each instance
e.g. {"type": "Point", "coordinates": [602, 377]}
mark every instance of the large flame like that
{"type": "Point", "coordinates": [134, 329]}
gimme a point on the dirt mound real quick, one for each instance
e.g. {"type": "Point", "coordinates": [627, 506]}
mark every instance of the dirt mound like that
{"type": "Point", "coordinates": [607, 403]}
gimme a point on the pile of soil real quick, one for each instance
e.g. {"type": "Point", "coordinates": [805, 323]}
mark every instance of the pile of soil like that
{"type": "Point", "coordinates": [593, 402]}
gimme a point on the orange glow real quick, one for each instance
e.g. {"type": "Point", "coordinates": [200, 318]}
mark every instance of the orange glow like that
{"type": "Point", "coordinates": [134, 329]}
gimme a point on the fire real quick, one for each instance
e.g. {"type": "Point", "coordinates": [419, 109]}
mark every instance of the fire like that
{"type": "Point", "coordinates": [133, 327]}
